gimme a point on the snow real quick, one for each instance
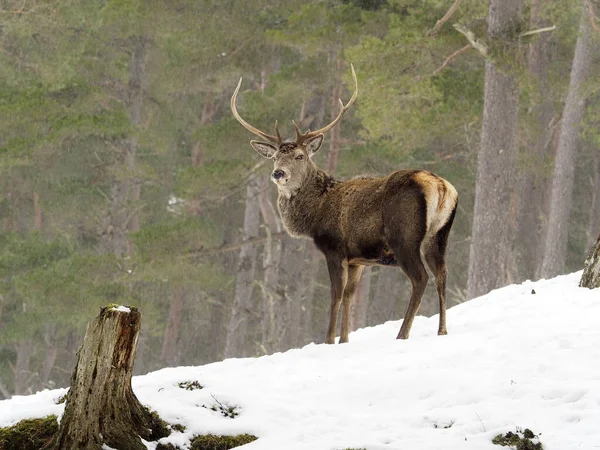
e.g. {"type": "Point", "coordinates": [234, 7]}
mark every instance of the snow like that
{"type": "Point", "coordinates": [511, 359]}
{"type": "Point", "coordinates": [122, 308]}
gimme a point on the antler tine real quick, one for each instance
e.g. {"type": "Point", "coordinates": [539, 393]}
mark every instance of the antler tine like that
{"type": "Point", "coordinates": [300, 137]}
{"type": "Point", "coordinates": [276, 139]}
{"type": "Point", "coordinates": [279, 140]}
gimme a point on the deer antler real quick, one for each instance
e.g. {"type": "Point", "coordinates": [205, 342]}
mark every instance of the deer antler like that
{"type": "Point", "coordinates": [275, 139]}
{"type": "Point", "coordinates": [301, 137]}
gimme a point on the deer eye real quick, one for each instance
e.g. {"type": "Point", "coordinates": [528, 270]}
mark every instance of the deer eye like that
{"type": "Point", "coordinates": [300, 157]}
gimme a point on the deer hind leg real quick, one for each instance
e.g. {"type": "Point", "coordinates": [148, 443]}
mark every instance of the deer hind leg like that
{"type": "Point", "coordinates": [354, 273]}
{"type": "Point", "coordinates": [436, 262]}
{"type": "Point", "coordinates": [405, 226]}
{"type": "Point", "coordinates": [435, 255]}
{"type": "Point", "coordinates": [338, 275]}
{"type": "Point", "coordinates": [413, 267]}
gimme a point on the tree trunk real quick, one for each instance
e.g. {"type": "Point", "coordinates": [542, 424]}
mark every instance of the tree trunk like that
{"type": "Point", "coordinates": [49, 356]}
{"type": "Point", "coordinates": [334, 134]}
{"type": "Point", "coordinates": [208, 111]}
{"type": "Point", "coordinates": [137, 74]}
{"type": "Point", "coordinates": [168, 353]}
{"type": "Point", "coordinates": [299, 268]}
{"type": "Point", "coordinates": [389, 295]}
{"type": "Point", "coordinates": [244, 309]}
{"type": "Point", "coordinates": [591, 272]}
{"type": "Point", "coordinates": [594, 222]}
{"type": "Point", "coordinates": [358, 316]}
{"type": "Point", "coordinates": [274, 305]}
{"type": "Point", "coordinates": [489, 240]}
{"type": "Point", "coordinates": [22, 374]}
{"type": "Point", "coordinates": [101, 408]}
{"type": "Point", "coordinates": [4, 392]}
{"type": "Point", "coordinates": [555, 248]}
{"type": "Point", "coordinates": [37, 212]}
{"type": "Point", "coordinates": [122, 214]}
{"type": "Point", "coordinates": [533, 181]}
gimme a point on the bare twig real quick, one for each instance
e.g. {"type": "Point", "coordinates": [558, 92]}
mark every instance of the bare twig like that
{"type": "Point", "coordinates": [21, 10]}
{"type": "Point", "coordinates": [451, 57]}
{"type": "Point", "coordinates": [233, 247]}
{"type": "Point", "coordinates": [440, 23]}
{"type": "Point", "coordinates": [4, 391]}
{"type": "Point", "coordinates": [478, 45]}
{"type": "Point", "coordinates": [482, 424]}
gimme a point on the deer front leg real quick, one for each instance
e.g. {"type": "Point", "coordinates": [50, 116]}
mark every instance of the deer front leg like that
{"type": "Point", "coordinates": [338, 275]}
{"type": "Point", "coordinates": [354, 273]}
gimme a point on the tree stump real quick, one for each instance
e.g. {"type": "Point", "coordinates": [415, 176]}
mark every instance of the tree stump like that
{"type": "Point", "coordinates": [591, 272]}
{"type": "Point", "coordinates": [101, 407]}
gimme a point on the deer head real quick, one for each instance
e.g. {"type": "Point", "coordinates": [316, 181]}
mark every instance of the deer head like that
{"type": "Point", "coordinates": [292, 159]}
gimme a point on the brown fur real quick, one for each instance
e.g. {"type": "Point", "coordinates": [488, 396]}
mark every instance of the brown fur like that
{"type": "Point", "coordinates": [388, 221]}
{"type": "Point", "coordinates": [397, 220]}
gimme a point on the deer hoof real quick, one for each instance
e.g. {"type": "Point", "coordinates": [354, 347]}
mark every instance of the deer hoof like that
{"type": "Point", "coordinates": [401, 336]}
{"type": "Point", "coordinates": [442, 332]}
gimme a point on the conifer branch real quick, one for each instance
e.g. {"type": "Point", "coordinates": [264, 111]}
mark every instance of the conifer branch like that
{"type": "Point", "coordinates": [21, 10]}
{"type": "Point", "coordinates": [440, 23]}
{"type": "Point", "coordinates": [451, 57]}
{"type": "Point", "coordinates": [475, 43]}
{"type": "Point", "coordinates": [233, 247]}
{"type": "Point", "coordinates": [539, 30]}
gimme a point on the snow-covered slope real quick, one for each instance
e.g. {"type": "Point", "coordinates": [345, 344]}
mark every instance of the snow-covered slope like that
{"type": "Point", "coordinates": [512, 359]}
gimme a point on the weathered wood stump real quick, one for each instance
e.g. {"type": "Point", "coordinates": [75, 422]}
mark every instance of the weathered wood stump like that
{"type": "Point", "coordinates": [101, 407]}
{"type": "Point", "coordinates": [591, 271]}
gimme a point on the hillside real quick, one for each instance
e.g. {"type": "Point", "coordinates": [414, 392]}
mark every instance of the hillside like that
{"type": "Point", "coordinates": [512, 359]}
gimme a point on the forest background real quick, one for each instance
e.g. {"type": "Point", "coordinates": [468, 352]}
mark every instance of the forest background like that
{"type": "Point", "coordinates": [125, 179]}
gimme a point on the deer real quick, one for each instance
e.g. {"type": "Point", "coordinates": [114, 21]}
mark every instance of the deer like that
{"type": "Point", "coordinates": [402, 219]}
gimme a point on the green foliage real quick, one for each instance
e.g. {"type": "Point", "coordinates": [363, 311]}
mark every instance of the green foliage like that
{"type": "Point", "coordinates": [404, 102]}
{"type": "Point", "coordinates": [521, 440]}
{"type": "Point", "coordinates": [31, 434]}
{"type": "Point", "coordinates": [178, 427]}
{"type": "Point", "coordinates": [20, 253]}
{"type": "Point", "coordinates": [158, 427]}
{"type": "Point", "coordinates": [223, 408]}
{"type": "Point", "coordinates": [190, 385]}
{"type": "Point", "coordinates": [213, 442]}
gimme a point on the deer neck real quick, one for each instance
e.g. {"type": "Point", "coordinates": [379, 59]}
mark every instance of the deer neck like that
{"type": "Point", "coordinates": [302, 211]}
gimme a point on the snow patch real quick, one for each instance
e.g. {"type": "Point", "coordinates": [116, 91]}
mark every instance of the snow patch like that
{"type": "Point", "coordinates": [511, 359]}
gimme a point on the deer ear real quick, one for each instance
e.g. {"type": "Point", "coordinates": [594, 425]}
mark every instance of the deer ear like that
{"type": "Point", "coordinates": [313, 144]}
{"type": "Point", "coordinates": [264, 149]}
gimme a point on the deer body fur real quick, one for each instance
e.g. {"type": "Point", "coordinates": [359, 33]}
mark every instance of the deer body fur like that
{"type": "Point", "coordinates": [402, 219]}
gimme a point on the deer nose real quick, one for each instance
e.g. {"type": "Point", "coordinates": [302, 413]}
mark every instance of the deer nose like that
{"type": "Point", "coordinates": [277, 174]}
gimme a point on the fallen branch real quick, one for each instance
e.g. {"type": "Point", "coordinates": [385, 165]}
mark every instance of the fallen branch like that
{"type": "Point", "coordinates": [234, 247]}
{"type": "Point", "coordinates": [440, 23]}
{"type": "Point", "coordinates": [451, 57]}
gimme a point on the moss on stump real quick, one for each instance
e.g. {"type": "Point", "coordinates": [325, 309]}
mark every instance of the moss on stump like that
{"type": "Point", "coordinates": [213, 442]}
{"type": "Point", "coordinates": [30, 434]}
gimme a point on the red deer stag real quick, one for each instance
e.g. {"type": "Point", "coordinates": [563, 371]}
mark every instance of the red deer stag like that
{"type": "Point", "coordinates": [390, 221]}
